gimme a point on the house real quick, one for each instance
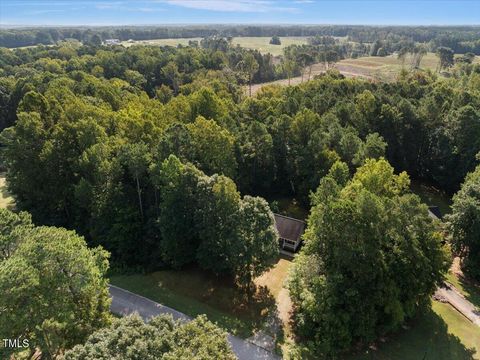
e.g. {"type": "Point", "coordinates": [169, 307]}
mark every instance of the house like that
{"type": "Point", "coordinates": [434, 212]}
{"type": "Point", "coordinates": [112, 42]}
{"type": "Point", "coordinates": [290, 232]}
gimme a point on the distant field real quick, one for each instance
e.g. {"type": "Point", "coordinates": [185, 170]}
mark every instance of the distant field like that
{"type": "Point", "coordinates": [258, 43]}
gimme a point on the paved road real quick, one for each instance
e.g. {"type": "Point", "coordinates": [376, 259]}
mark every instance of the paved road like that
{"type": "Point", "coordinates": [125, 302]}
{"type": "Point", "coordinates": [453, 297]}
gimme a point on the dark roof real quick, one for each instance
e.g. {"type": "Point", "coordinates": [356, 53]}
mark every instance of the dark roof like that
{"type": "Point", "coordinates": [289, 228]}
{"type": "Point", "coordinates": [434, 212]}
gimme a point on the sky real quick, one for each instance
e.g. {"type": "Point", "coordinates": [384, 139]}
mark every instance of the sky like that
{"type": "Point", "coordinates": [154, 12]}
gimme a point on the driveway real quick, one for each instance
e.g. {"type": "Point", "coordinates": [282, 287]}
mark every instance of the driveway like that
{"type": "Point", "coordinates": [450, 294]}
{"type": "Point", "coordinates": [125, 302]}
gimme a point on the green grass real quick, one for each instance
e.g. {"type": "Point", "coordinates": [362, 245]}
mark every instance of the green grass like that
{"type": "Point", "coordinates": [6, 199]}
{"type": "Point", "coordinates": [263, 45]}
{"type": "Point", "coordinates": [257, 43]}
{"type": "Point", "coordinates": [432, 196]}
{"type": "Point", "coordinates": [290, 207]}
{"type": "Point", "coordinates": [467, 288]}
{"type": "Point", "coordinates": [194, 292]}
{"type": "Point", "coordinates": [440, 334]}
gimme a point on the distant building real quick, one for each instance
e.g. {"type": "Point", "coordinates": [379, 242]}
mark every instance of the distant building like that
{"type": "Point", "coordinates": [112, 42]}
{"type": "Point", "coordinates": [290, 231]}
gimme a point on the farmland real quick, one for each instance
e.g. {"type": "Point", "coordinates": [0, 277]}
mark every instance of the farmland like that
{"type": "Point", "coordinates": [256, 43]}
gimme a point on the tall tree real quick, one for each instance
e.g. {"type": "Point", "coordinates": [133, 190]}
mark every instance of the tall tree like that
{"type": "Point", "coordinates": [464, 224]}
{"type": "Point", "coordinates": [445, 56]}
{"type": "Point", "coordinates": [249, 66]}
{"type": "Point", "coordinates": [371, 258]}
{"type": "Point", "coordinates": [61, 287]}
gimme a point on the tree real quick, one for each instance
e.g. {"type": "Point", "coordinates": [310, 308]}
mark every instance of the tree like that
{"type": "Point", "coordinates": [129, 338]}
{"type": "Point", "coordinates": [256, 162]}
{"type": "Point", "coordinates": [289, 68]}
{"type": "Point", "coordinates": [177, 184]}
{"type": "Point", "coordinates": [136, 158]}
{"type": "Point", "coordinates": [12, 227]}
{"type": "Point", "coordinates": [249, 66]}
{"type": "Point", "coordinates": [216, 220]}
{"type": "Point", "coordinates": [60, 285]}
{"type": "Point", "coordinates": [464, 224]}
{"type": "Point", "coordinates": [256, 246]}
{"type": "Point", "coordinates": [275, 40]}
{"type": "Point", "coordinates": [372, 257]}
{"type": "Point", "coordinates": [445, 56]}
{"type": "Point", "coordinates": [170, 71]}
{"type": "Point", "coordinates": [212, 147]}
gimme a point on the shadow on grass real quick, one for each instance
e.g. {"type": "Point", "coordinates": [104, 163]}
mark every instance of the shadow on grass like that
{"type": "Point", "coordinates": [471, 290]}
{"type": "Point", "coordinates": [196, 292]}
{"type": "Point", "coordinates": [426, 338]}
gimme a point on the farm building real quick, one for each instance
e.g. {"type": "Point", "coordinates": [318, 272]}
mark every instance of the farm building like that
{"type": "Point", "coordinates": [112, 42]}
{"type": "Point", "coordinates": [290, 232]}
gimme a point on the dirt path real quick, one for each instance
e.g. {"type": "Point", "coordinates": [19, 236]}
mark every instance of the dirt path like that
{"type": "Point", "coordinates": [317, 69]}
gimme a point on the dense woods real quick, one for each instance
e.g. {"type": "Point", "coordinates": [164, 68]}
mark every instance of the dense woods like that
{"type": "Point", "coordinates": [159, 156]}
{"type": "Point", "coordinates": [372, 258]}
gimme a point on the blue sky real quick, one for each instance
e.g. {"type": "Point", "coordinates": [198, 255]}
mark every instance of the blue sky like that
{"type": "Point", "coordinates": [138, 12]}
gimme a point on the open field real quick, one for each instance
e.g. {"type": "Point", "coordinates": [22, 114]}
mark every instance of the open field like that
{"type": "Point", "coordinates": [257, 43]}
{"type": "Point", "coordinates": [371, 68]}
{"type": "Point", "coordinates": [195, 292]}
{"type": "Point", "coordinates": [6, 200]}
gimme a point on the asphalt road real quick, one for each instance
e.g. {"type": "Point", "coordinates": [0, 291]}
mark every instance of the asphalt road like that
{"type": "Point", "coordinates": [450, 294]}
{"type": "Point", "coordinates": [125, 302]}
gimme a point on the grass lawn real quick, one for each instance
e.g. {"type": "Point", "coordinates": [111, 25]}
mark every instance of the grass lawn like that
{"type": "Point", "coordinates": [440, 334]}
{"type": "Point", "coordinates": [195, 292]}
{"type": "Point", "coordinates": [6, 200]}
{"type": "Point", "coordinates": [469, 290]}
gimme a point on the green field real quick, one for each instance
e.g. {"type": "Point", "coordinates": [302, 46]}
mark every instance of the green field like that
{"type": "Point", "coordinates": [258, 43]}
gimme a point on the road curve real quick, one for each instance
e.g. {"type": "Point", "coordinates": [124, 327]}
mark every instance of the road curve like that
{"type": "Point", "coordinates": [125, 302]}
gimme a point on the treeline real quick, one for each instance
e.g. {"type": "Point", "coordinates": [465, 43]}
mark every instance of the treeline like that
{"type": "Point", "coordinates": [457, 38]}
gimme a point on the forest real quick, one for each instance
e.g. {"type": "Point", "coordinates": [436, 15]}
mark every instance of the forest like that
{"type": "Point", "coordinates": [159, 158]}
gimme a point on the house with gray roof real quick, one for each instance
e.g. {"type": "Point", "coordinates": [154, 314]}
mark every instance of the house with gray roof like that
{"type": "Point", "coordinates": [290, 232]}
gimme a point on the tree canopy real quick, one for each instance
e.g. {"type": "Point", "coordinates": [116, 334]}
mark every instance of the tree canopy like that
{"type": "Point", "coordinates": [129, 338]}
{"type": "Point", "coordinates": [464, 223]}
{"type": "Point", "coordinates": [53, 288]}
{"type": "Point", "coordinates": [372, 258]}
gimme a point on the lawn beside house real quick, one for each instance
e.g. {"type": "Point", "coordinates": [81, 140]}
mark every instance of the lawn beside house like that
{"type": "Point", "coordinates": [440, 334]}
{"type": "Point", "coordinates": [196, 292]}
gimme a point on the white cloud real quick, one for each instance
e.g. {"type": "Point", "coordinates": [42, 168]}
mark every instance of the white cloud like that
{"type": "Point", "coordinates": [231, 6]}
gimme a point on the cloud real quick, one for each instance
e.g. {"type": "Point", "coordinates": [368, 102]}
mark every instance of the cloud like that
{"type": "Point", "coordinates": [231, 6]}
